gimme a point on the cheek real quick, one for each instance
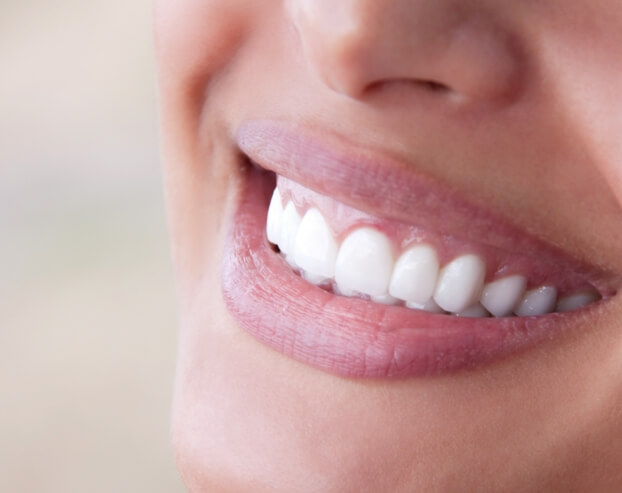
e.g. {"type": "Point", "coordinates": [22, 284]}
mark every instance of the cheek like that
{"type": "Point", "coordinates": [195, 38]}
{"type": "Point", "coordinates": [597, 106]}
{"type": "Point", "coordinates": [583, 64]}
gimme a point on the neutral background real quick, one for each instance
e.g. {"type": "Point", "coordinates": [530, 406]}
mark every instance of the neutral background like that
{"type": "Point", "coordinates": [87, 305]}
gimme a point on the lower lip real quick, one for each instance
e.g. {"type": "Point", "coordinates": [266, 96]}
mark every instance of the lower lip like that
{"type": "Point", "coordinates": [348, 336]}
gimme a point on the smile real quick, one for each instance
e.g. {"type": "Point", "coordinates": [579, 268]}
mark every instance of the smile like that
{"type": "Point", "coordinates": [403, 280]}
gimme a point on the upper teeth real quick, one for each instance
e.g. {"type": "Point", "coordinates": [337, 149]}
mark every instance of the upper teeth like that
{"type": "Point", "coordinates": [290, 222]}
{"type": "Point", "coordinates": [315, 247]}
{"type": "Point", "coordinates": [365, 262]}
{"type": "Point", "coordinates": [501, 296]}
{"type": "Point", "coordinates": [415, 274]}
{"type": "Point", "coordinates": [364, 265]}
{"type": "Point", "coordinates": [460, 283]}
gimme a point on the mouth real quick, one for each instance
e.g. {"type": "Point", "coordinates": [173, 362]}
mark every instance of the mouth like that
{"type": "Point", "coordinates": [357, 265]}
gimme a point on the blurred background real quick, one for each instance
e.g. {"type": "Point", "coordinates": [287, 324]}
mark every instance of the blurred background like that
{"type": "Point", "coordinates": [87, 305]}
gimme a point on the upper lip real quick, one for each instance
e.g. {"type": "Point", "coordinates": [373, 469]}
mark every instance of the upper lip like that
{"type": "Point", "coordinates": [391, 188]}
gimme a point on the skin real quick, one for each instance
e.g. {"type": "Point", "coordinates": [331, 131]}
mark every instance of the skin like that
{"type": "Point", "coordinates": [527, 94]}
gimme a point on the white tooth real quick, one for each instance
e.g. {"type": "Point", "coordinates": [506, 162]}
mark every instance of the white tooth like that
{"type": "Point", "coordinates": [475, 311]}
{"type": "Point", "coordinates": [576, 301]}
{"type": "Point", "coordinates": [275, 216]}
{"type": "Point", "coordinates": [315, 248]}
{"type": "Point", "coordinates": [537, 302]}
{"type": "Point", "coordinates": [460, 283]}
{"type": "Point", "coordinates": [365, 262]}
{"type": "Point", "coordinates": [291, 262]}
{"type": "Point", "coordinates": [500, 297]}
{"type": "Point", "coordinates": [429, 306]}
{"type": "Point", "coordinates": [314, 278]}
{"type": "Point", "coordinates": [350, 293]}
{"type": "Point", "coordinates": [289, 229]}
{"type": "Point", "coordinates": [385, 299]}
{"type": "Point", "coordinates": [415, 274]}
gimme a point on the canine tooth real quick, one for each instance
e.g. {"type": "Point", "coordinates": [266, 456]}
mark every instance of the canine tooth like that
{"type": "Point", "coordinates": [429, 306]}
{"type": "Point", "coordinates": [275, 216]}
{"type": "Point", "coordinates": [576, 301]}
{"type": "Point", "coordinates": [289, 228]}
{"type": "Point", "coordinates": [475, 311]}
{"type": "Point", "coordinates": [460, 283]}
{"type": "Point", "coordinates": [537, 302]}
{"type": "Point", "coordinates": [365, 262]}
{"type": "Point", "coordinates": [315, 248]}
{"type": "Point", "coordinates": [500, 297]}
{"type": "Point", "coordinates": [415, 274]}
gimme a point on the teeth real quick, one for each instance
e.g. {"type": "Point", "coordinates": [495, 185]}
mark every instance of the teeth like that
{"type": "Point", "coordinates": [291, 262]}
{"type": "Point", "coordinates": [576, 301]}
{"type": "Point", "coordinates": [501, 297]}
{"type": "Point", "coordinates": [429, 306]}
{"type": "Point", "coordinates": [365, 262]}
{"type": "Point", "coordinates": [314, 278]}
{"type": "Point", "coordinates": [289, 229]}
{"type": "Point", "coordinates": [460, 283]}
{"type": "Point", "coordinates": [275, 217]}
{"type": "Point", "coordinates": [363, 266]}
{"type": "Point", "coordinates": [415, 274]}
{"type": "Point", "coordinates": [537, 302]}
{"type": "Point", "coordinates": [475, 311]}
{"type": "Point", "coordinates": [315, 248]}
{"type": "Point", "coordinates": [342, 291]}
{"type": "Point", "coordinates": [385, 299]}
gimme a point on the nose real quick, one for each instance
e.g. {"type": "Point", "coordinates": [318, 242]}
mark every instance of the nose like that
{"type": "Point", "coordinates": [356, 46]}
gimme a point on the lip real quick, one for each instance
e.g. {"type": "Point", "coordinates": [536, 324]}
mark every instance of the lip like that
{"type": "Point", "coordinates": [353, 337]}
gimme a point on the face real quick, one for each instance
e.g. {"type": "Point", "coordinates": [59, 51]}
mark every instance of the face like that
{"type": "Point", "coordinates": [433, 158]}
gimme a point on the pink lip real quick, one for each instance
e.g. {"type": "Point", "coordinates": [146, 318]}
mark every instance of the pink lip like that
{"type": "Point", "coordinates": [350, 174]}
{"type": "Point", "coordinates": [349, 336]}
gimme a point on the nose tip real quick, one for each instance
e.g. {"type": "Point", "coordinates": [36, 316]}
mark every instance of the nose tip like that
{"type": "Point", "coordinates": [355, 46]}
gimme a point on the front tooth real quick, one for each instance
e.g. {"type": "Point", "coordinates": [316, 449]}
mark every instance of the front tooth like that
{"type": "Point", "coordinates": [537, 302]}
{"type": "Point", "coordinates": [315, 248]}
{"type": "Point", "coordinates": [415, 274]}
{"type": "Point", "coordinates": [289, 229]}
{"type": "Point", "coordinates": [576, 301]}
{"type": "Point", "coordinates": [364, 262]}
{"type": "Point", "coordinates": [460, 283]}
{"type": "Point", "coordinates": [475, 311]}
{"type": "Point", "coordinates": [501, 297]}
{"type": "Point", "coordinates": [428, 306]}
{"type": "Point", "coordinates": [275, 217]}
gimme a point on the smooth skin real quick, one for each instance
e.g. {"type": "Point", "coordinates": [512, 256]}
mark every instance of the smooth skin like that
{"type": "Point", "coordinates": [514, 105]}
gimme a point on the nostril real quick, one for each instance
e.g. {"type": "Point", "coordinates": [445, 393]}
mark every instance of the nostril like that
{"type": "Point", "coordinates": [433, 85]}
{"type": "Point", "coordinates": [424, 85]}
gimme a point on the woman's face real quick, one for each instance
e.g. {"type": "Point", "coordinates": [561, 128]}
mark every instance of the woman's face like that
{"type": "Point", "coordinates": [485, 137]}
